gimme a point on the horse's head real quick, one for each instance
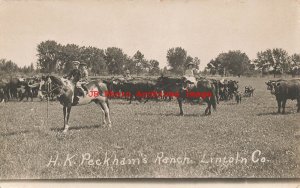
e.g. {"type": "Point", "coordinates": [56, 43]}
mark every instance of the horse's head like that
{"type": "Point", "coordinates": [57, 85]}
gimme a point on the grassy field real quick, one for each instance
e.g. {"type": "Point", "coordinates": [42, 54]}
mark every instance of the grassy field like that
{"type": "Point", "coordinates": [151, 140]}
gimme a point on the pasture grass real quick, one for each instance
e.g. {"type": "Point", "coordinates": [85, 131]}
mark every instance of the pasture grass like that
{"type": "Point", "coordinates": [142, 133]}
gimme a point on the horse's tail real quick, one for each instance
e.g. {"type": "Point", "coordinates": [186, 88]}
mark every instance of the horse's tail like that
{"type": "Point", "coordinates": [213, 99]}
{"type": "Point", "coordinates": [97, 83]}
{"type": "Point", "coordinates": [107, 102]}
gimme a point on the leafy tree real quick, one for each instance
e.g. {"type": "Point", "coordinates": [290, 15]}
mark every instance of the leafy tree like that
{"type": "Point", "coordinates": [7, 66]}
{"type": "Point", "coordinates": [154, 67]}
{"type": "Point", "coordinates": [115, 60]}
{"type": "Point", "coordinates": [69, 53]}
{"type": "Point", "coordinates": [196, 61]}
{"type": "Point", "coordinates": [130, 65]}
{"type": "Point", "coordinates": [177, 58]}
{"type": "Point", "coordinates": [274, 61]}
{"type": "Point", "coordinates": [295, 64]}
{"type": "Point", "coordinates": [139, 61]}
{"type": "Point", "coordinates": [48, 55]}
{"type": "Point", "coordinates": [232, 62]}
{"type": "Point", "coordinates": [95, 59]}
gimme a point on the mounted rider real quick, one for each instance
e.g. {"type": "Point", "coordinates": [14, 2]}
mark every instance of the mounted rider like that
{"type": "Point", "coordinates": [80, 76]}
{"type": "Point", "coordinates": [189, 79]}
{"type": "Point", "coordinates": [127, 75]}
{"type": "Point", "coordinates": [84, 79]}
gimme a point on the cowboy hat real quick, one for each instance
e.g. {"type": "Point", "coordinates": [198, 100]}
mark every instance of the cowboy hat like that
{"type": "Point", "coordinates": [190, 63]}
{"type": "Point", "coordinates": [76, 62]}
{"type": "Point", "coordinates": [83, 64]}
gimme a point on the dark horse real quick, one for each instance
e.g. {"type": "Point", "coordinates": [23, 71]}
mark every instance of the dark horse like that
{"type": "Point", "coordinates": [64, 90]}
{"type": "Point", "coordinates": [174, 85]}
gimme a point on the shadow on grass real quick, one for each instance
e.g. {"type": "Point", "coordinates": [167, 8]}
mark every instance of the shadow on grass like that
{"type": "Point", "coordinates": [76, 128]}
{"type": "Point", "coordinates": [14, 133]}
{"type": "Point", "coordinates": [273, 113]}
{"type": "Point", "coordinates": [171, 114]}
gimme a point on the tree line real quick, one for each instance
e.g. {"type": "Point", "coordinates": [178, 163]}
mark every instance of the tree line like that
{"type": "Point", "coordinates": [54, 57]}
{"type": "Point", "coordinates": [57, 58]}
{"type": "Point", "coordinates": [271, 61]}
{"type": "Point", "coordinates": [8, 67]}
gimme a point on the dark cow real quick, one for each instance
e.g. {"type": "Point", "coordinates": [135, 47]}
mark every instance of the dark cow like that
{"type": "Point", "coordinates": [232, 88]}
{"type": "Point", "coordinates": [238, 97]}
{"type": "Point", "coordinates": [176, 85]}
{"type": "Point", "coordinates": [4, 92]}
{"type": "Point", "coordinates": [138, 87]}
{"type": "Point", "coordinates": [249, 91]}
{"type": "Point", "coordinates": [13, 85]}
{"type": "Point", "coordinates": [283, 90]}
{"type": "Point", "coordinates": [223, 90]}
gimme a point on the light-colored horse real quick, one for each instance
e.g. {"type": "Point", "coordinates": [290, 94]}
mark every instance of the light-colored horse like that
{"type": "Point", "coordinates": [64, 89]}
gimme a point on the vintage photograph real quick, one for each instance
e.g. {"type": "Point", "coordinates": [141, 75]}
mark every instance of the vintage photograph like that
{"type": "Point", "coordinates": [149, 89]}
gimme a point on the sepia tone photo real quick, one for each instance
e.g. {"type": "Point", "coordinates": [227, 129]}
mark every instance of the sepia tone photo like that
{"type": "Point", "coordinates": [149, 89]}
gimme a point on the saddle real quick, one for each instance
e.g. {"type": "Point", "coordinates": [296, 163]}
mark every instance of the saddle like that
{"type": "Point", "coordinates": [187, 85]}
{"type": "Point", "coordinates": [78, 90]}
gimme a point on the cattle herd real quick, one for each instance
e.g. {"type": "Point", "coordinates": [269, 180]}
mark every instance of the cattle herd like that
{"type": "Point", "coordinates": [17, 89]}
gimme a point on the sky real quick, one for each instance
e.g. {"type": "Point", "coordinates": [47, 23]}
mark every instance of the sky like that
{"type": "Point", "coordinates": [204, 28]}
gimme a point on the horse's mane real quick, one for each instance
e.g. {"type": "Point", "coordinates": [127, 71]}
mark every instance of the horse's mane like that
{"type": "Point", "coordinates": [56, 80]}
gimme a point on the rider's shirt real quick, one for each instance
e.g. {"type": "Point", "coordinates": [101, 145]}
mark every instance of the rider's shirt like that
{"type": "Point", "coordinates": [84, 75]}
{"type": "Point", "coordinates": [128, 77]}
{"type": "Point", "coordinates": [189, 72]}
{"type": "Point", "coordinates": [189, 75]}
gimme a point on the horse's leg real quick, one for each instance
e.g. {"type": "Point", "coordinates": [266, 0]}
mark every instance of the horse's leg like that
{"type": "Point", "coordinates": [130, 99]}
{"type": "Point", "coordinates": [106, 110]}
{"type": "Point", "coordinates": [179, 99]}
{"type": "Point", "coordinates": [65, 112]}
{"type": "Point", "coordinates": [298, 104]}
{"type": "Point", "coordinates": [68, 108]}
{"type": "Point", "coordinates": [103, 113]}
{"type": "Point", "coordinates": [209, 102]}
{"type": "Point", "coordinates": [208, 108]}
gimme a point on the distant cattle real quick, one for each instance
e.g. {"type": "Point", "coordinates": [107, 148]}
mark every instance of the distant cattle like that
{"type": "Point", "coordinates": [227, 89]}
{"type": "Point", "coordinates": [4, 92]}
{"type": "Point", "coordinates": [135, 87]}
{"type": "Point", "coordinates": [284, 90]}
{"type": "Point", "coordinates": [249, 91]}
{"type": "Point", "coordinates": [238, 97]}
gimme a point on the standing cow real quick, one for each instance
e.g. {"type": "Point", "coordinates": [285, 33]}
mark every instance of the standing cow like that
{"type": "Point", "coordinates": [283, 90]}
